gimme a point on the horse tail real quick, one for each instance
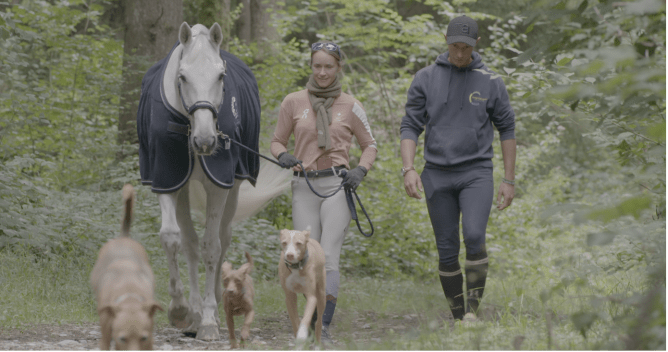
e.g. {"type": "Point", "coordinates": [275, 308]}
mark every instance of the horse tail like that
{"type": "Point", "coordinates": [272, 181]}
{"type": "Point", "coordinates": [128, 202]}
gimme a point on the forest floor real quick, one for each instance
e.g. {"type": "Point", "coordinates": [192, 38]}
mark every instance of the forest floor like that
{"type": "Point", "coordinates": [267, 333]}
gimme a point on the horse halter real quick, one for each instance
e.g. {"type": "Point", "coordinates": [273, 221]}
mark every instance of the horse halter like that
{"type": "Point", "coordinates": [202, 104]}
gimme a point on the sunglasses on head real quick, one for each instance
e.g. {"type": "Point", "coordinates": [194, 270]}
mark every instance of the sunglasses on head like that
{"type": "Point", "coordinates": [331, 47]}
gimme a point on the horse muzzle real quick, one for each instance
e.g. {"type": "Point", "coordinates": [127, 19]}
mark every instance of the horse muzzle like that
{"type": "Point", "coordinates": [205, 145]}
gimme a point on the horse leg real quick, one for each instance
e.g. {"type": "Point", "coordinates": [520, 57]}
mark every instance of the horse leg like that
{"type": "Point", "coordinates": [170, 238]}
{"type": "Point", "coordinates": [190, 243]}
{"type": "Point", "coordinates": [211, 251]}
{"type": "Point", "coordinates": [226, 233]}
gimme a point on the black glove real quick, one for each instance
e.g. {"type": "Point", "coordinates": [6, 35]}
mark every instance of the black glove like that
{"type": "Point", "coordinates": [288, 160]}
{"type": "Point", "coordinates": [354, 177]}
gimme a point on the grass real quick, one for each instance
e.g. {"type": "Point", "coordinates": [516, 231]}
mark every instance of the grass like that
{"type": "Point", "coordinates": [530, 300]}
{"type": "Point", "coordinates": [57, 291]}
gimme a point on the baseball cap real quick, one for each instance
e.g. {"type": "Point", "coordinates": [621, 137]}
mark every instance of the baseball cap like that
{"type": "Point", "coordinates": [462, 29]}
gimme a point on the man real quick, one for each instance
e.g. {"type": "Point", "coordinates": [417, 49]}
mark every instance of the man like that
{"type": "Point", "coordinates": [456, 101]}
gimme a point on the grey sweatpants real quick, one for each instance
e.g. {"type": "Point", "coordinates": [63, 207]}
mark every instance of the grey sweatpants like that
{"type": "Point", "coordinates": [328, 217]}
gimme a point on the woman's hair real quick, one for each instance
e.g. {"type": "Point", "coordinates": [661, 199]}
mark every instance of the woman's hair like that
{"type": "Point", "coordinates": [330, 48]}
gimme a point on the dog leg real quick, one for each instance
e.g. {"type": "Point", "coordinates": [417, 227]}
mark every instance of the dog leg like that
{"type": "Point", "coordinates": [171, 242]}
{"type": "Point", "coordinates": [105, 329]}
{"type": "Point", "coordinates": [321, 302]}
{"type": "Point", "coordinates": [190, 243]}
{"type": "Point", "coordinates": [245, 330]}
{"type": "Point", "coordinates": [230, 326]}
{"type": "Point", "coordinates": [311, 302]}
{"type": "Point", "coordinates": [291, 304]}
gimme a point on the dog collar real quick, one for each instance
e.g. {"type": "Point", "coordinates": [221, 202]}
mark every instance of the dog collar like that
{"type": "Point", "coordinates": [123, 297]}
{"type": "Point", "coordinates": [298, 265]}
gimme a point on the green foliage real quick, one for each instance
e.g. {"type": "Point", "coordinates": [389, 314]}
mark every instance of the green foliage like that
{"type": "Point", "coordinates": [587, 83]}
{"type": "Point", "coordinates": [403, 242]}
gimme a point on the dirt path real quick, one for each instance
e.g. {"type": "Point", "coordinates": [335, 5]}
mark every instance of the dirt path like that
{"type": "Point", "coordinates": [267, 333]}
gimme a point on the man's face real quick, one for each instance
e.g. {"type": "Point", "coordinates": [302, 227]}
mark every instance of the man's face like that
{"type": "Point", "coordinates": [460, 53]}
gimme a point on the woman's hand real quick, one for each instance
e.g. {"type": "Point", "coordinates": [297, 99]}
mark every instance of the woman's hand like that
{"type": "Point", "coordinates": [288, 160]}
{"type": "Point", "coordinates": [354, 177]}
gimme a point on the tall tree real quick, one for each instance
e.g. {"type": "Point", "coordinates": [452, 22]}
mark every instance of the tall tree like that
{"type": "Point", "coordinates": [262, 28]}
{"type": "Point", "coordinates": [151, 29]}
{"type": "Point", "coordinates": [244, 22]}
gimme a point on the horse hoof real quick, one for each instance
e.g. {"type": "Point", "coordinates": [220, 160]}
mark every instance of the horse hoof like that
{"type": "Point", "coordinates": [208, 333]}
{"type": "Point", "coordinates": [178, 317]}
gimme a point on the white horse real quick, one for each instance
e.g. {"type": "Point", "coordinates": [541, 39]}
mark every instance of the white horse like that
{"type": "Point", "coordinates": [193, 90]}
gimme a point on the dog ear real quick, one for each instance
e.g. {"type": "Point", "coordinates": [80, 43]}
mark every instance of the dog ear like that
{"type": "Point", "coordinates": [285, 233]}
{"type": "Point", "coordinates": [226, 268]}
{"type": "Point", "coordinates": [307, 233]}
{"type": "Point", "coordinates": [151, 307]}
{"type": "Point", "coordinates": [246, 268]}
{"type": "Point", "coordinates": [108, 309]}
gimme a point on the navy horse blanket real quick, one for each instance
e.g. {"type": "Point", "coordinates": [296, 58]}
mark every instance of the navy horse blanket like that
{"type": "Point", "coordinates": [165, 159]}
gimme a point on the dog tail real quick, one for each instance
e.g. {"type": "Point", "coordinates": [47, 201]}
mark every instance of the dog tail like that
{"type": "Point", "coordinates": [128, 202]}
{"type": "Point", "coordinates": [249, 259]}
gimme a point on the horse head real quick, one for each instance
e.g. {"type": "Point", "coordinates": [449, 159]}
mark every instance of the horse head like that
{"type": "Point", "coordinates": [200, 82]}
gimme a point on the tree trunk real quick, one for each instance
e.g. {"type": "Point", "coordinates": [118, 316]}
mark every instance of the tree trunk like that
{"type": "Point", "coordinates": [227, 24]}
{"type": "Point", "coordinates": [244, 23]}
{"type": "Point", "coordinates": [151, 29]}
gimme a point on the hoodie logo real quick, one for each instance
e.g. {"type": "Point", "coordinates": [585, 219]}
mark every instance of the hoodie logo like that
{"type": "Point", "coordinates": [475, 98]}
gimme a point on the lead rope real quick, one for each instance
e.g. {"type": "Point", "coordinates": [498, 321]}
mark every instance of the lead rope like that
{"type": "Point", "coordinates": [348, 192]}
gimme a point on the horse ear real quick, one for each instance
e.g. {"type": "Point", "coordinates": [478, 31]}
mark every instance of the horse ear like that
{"type": "Point", "coordinates": [185, 33]}
{"type": "Point", "coordinates": [216, 34]}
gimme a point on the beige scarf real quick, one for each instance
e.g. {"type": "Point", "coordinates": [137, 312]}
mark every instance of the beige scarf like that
{"type": "Point", "coordinates": [322, 100]}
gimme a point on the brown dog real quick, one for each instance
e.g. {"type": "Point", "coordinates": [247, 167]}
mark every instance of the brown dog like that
{"type": "Point", "coordinates": [301, 269]}
{"type": "Point", "coordinates": [238, 297]}
{"type": "Point", "coordinates": [123, 283]}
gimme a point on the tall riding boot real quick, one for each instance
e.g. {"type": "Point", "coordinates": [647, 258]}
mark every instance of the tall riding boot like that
{"type": "Point", "coordinates": [476, 274]}
{"type": "Point", "coordinates": [332, 292]}
{"type": "Point", "coordinates": [452, 282]}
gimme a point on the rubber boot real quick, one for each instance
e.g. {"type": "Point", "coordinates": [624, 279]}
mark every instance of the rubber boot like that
{"type": "Point", "coordinates": [476, 274]}
{"type": "Point", "coordinates": [452, 282]}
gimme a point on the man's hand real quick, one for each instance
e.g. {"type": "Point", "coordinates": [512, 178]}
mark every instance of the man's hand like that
{"type": "Point", "coordinates": [413, 184]}
{"type": "Point", "coordinates": [505, 196]}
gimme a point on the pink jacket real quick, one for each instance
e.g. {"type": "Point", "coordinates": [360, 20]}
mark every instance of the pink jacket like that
{"type": "Point", "coordinates": [348, 120]}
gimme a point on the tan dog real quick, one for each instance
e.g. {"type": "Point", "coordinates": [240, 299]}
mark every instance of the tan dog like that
{"type": "Point", "coordinates": [301, 269]}
{"type": "Point", "coordinates": [238, 297]}
{"type": "Point", "coordinates": [123, 283]}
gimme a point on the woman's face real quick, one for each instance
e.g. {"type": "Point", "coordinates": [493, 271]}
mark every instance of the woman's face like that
{"type": "Point", "coordinates": [325, 67]}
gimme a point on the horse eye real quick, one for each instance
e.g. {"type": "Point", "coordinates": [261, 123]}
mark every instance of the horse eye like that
{"type": "Point", "coordinates": [183, 78]}
{"type": "Point", "coordinates": [222, 75]}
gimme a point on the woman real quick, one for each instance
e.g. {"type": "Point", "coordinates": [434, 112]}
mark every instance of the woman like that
{"type": "Point", "coordinates": [324, 121]}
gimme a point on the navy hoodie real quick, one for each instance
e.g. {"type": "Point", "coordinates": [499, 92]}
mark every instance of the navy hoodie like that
{"type": "Point", "coordinates": [457, 107]}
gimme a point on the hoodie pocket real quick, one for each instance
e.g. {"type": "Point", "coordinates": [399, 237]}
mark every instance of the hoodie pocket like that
{"type": "Point", "coordinates": [452, 145]}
